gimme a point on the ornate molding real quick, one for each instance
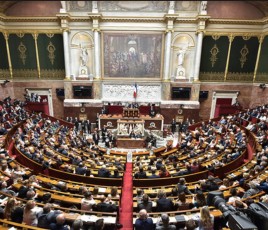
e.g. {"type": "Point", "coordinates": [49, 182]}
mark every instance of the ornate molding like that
{"type": "Point", "coordinates": [234, 34]}
{"type": "Point", "coordinates": [237, 21]}
{"type": "Point", "coordinates": [124, 92]}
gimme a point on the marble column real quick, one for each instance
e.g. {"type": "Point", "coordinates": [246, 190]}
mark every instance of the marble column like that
{"type": "Point", "coordinates": [66, 54]}
{"type": "Point", "coordinates": [167, 55]}
{"type": "Point", "coordinates": [97, 54]}
{"type": "Point", "coordinates": [198, 55]}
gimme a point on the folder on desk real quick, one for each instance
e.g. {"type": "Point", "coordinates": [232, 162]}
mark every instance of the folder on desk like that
{"type": "Point", "coordinates": [180, 218]}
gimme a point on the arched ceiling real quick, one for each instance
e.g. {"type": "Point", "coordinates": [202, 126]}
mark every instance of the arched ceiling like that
{"type": "Point", "coordinates": [261, 5]}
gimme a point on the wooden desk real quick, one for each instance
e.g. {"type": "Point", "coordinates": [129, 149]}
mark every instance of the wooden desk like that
{"type": "Point", "coordinates": [152, 123]}
{"type": "Point", "coordinates": [130, 143]}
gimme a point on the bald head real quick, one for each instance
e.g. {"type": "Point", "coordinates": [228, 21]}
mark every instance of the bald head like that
{"type": "Point", "coordinates": [143, 214]}
{"type": "Point", "coordinates": [60, 219]}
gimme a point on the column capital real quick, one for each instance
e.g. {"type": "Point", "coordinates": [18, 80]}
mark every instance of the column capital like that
{"type": "Point", "coordinates": [35, 35]}
{"type": "Point", "coordinates": [6, 35]}
{"type": "Point", "coordinates": [65, 30]}
{"type": "Point", "coordinates": [231, 38]}
{"type": "Point", "coordinates": [200, 31]}
{"type": "Point", "coordinates": [96, 29]}
{"type": "Point", "coordinates": [260, 38]}
{"type": "Point", "coordinates": [169, 30]}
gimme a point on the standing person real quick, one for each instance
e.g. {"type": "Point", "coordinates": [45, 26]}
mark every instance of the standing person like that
{"type": "Point", "coordinates": [96, 137]}
{"type": "Point", "coordinates": [173, 126]}
{"type": "Point", "coordinates": [144, 222]}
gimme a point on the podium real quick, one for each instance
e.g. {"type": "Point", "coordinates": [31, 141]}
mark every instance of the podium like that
{"type": "Point", "coordinates": [126, 126]}
{"type": "Point", "coordinates": [131, 112]}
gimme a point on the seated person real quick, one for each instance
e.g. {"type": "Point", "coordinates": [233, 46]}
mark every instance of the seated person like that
{"type": "Point", "coordinates": [132, 134]}
{"type": "Point", "coordinates": [105, 207]}
{"type": "Point", "coordinates": [139, 135]}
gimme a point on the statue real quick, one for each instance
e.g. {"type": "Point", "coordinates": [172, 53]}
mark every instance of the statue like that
{"type": "Point", "coordinates": [180, 56]}
{"type": "Point", "coordinates": [203, 8]}
{"type": "Point", "coordinates": [83, 56]}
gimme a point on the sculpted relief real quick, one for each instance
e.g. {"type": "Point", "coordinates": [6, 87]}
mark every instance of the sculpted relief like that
{"type": "Point", "coordinates": [125, 92]}
{"type": "Point", "coordinates": [144, 6]}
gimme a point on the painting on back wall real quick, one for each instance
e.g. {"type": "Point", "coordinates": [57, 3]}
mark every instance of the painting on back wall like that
{"type": "Point", "coordinates": [132, 55]}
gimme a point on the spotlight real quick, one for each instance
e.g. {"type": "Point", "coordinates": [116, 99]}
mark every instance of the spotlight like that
{"type": "Point", "coordinates": [262, 86]}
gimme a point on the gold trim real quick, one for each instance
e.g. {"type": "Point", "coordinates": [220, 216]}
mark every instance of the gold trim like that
{"type": "Point", "coordinates": [51, 52]}
{"type": "Point", "coordinates": [246, 37]}
{"type": "Point", "coordinates": [22, 52]}
{"type": "Point", "coordinates": [235, 34]}
{"type": "Point", "coordinates": [231, 38]}
{"type": "Point", "coordinates": [6, 35]}
{"type": "Point", "coordinates": [18, 31]}
{"type": "Point", "coordinates": [20, 34]}
{"type": "Point", "coordinates": [25, 73]}
{"type": "Point", "coordinates": [215, 37]}
{"type": "Point", "coordinates": [35, 36]}
{"type": "Point", "coordinates": [258, 57]}
{"type": "Point", "coordinates": [240, 77]}
{"type": "Point", "coordinates": [50, 35]}
{"type": "Point", "coordinates": [244, 52]}
{"type": "Point", "coordinates": [214, 51]}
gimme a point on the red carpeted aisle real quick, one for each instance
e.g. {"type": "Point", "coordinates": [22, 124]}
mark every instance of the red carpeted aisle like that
{"type": "Point", "coordinates": [126, 206]}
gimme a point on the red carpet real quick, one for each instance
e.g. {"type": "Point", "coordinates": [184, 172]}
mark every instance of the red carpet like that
{"type": "Point", "coordinates": [126, 206]}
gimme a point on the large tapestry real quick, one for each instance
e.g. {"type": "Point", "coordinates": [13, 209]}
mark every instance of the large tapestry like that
{"type": "Point", "coordinates": [132, 55]}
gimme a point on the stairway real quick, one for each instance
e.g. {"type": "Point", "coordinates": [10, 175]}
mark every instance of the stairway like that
{"type": "Point", "coordinates": [126, 205]}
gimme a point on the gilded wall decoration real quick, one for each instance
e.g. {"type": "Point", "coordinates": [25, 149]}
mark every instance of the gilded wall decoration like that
{"type": "Point", "coordinates": [79, 5]}
{"type": "Point", "coordinates": [244, 52]}
{"type": "Point", "coordinates": [25, 74]}
{"type": "Point", "coordinates": [213, 58]}
{"type": "Point", "coordinates": [20, 35]}
{"type": "Point", "coordinates": [51, 52]}
{"type": "Point", "coordinates": [186, 5]}
{"type": "Point", "coordinates": [239, 77]}
{"type": "Point", "coordinates": [53, 74]}
{"type": "Point", "coordinates": [50, 35]}
{"type": "Point", "coordinates": [22, 52]}
{"type": "Point", "coordinates": [211, 76]}
{"type": "Point", "coordinates": [144, 6]}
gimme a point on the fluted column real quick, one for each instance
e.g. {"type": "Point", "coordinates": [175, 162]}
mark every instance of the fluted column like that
{"type": "Point", "coordinates": [231, 38]}
{"type": "Point", "coordinates": [97, 53]}
{"type": "Point", "coordinates": [167, 55]}
{"type": "Point", "coordinates": [66, 54]}
{"type": "Point", "coordinates": [258, 57]}
{"type": "Point", "coordinates": [6, 35]}
{"type": "Point", "coordinates": [198, 55]}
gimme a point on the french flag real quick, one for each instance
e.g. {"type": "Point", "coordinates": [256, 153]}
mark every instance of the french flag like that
{"type": "Point", "coordinates": [135, 93]}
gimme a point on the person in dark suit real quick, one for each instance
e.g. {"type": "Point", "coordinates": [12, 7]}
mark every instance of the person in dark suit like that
{"type": "Point", "coordinates": [132, 134]}
{"type": "Point", "coordinates": [164, 204]}
{"type": "Point", "coordinates": [152, 112]}
{"type": "Point", "coordinates": [144, 222]}
{"type": "Point", "coordinates": [104, 132]}
{"type": "Point", "coordinates": [96, 137]}
{"type": "Point", "coordinates": [173, 126]}
{"type": "Point", "coordinates": [146, 203]}
{"type": "Point", "coordinates": [76, 123]}
{"type": "Point", "coordinates": [104, 172]}
{"type": "Point", "coordinates": [88, 126]}
{"type": "Point", "coordinates": [81, 169]}
{"type": "Point", "coordinates": [141, 174]}
{"type": "Point", "coordinates": [105, 207]}
{"type": "Point", "coordinates": [153, 174]}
